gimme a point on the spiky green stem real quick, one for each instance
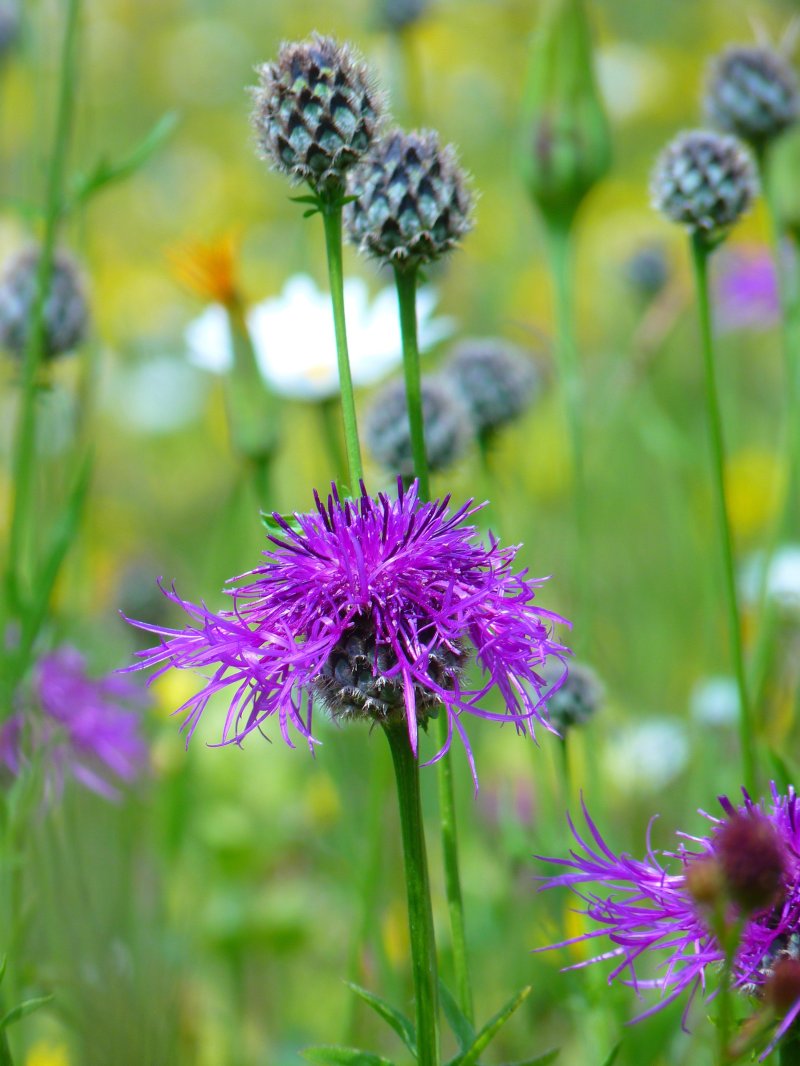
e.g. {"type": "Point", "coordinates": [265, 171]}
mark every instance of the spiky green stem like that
{"type": "Point", "coordinates": [420, 914]}
{"type": "Point", "coordinates": [332, 220]}
{"type": "Point", "coordinates": [406, 294]}
{"type": "Point", "coordinates": [700, 256]}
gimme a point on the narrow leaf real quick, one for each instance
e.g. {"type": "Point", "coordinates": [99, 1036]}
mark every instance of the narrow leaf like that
{"type": "Point", "coordinates": [305, 200]}
{"type": "Point", "coordinates": [343, 1056]}
{"type": "Point", "coordinates": [21, 1011]}
{"type": "Point", "coordinates": [3, 964]}
{"type": "Point", "coordinates": [274, 527]}
{"type": "Point", "coordinates": [612, 1056]}
{"type": "Point", "coordinates": [492, 1028]}
{"type": "Point", "coordinates": [311, 211]}
{"type": "Point", "coordinates": [105, 172]}
{"type": "Point", "coordinates": [460, 1025]}
{"type": "Point", "coordinates": [539, 1060]}
{"type": "Point", "coordinates": [393, 1017]}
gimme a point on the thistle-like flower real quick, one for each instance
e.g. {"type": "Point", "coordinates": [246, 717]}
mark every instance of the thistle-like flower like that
{"type": "Point", "coordinates": [446, 420]}
{"type": "Point", "coordinates": [704, 180]}
{"type": "Point", "coordinates": [496, 379]}
{"type": "Point", "coordinates": [412, 202]}
{"type": "Point", "coordinates": [661, 919]}
{"type": "Point", "coordinates": [81, 727]}
{"type": "Point", "coordinates": [316, 112]}
{"type": "Point", "coordinates": [373, 606]}
{"type": "Point", "coordinates": [66, 313]}
{"type": "Point", "coordinates": [753, 92]}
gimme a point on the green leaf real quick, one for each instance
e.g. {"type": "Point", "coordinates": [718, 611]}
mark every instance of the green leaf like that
{"type": "Point", "coordinates": [21, 1011]}
{"type": "Point", "coordinates": [274, 528]}
{"type": "Point", "coordinates": [460, 1025]}
{"type": "Point", "coordinates": [330, 1055]}
{"type": "Point", "coordinates": [612, 1056]}
{"type": "Point", "coordinates": [106, 171]}
{"type": "Point", "coordinates": [311, 211]}
{"type": "Point", "coordinates": [490, 1030]}
{"type": "Point", "coordinates": [3, 964]}
{"type": "Point", "coordinates": [306, 200]}
{"type": "Point", "coordinates": [63, 536]}
{"type": "Point", "coordinates": [539, 1060]}
{"type": "Point", "coordinates": [393, 1017]}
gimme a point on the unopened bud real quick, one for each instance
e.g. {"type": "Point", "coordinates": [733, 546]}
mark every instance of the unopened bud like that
{"type": "Point", "coordinates": [752, 860]}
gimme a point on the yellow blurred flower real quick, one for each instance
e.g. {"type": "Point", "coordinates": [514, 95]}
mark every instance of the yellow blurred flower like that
{"type": "Point", "coordinates": [46, 1054]}
{"type": "Point", "coordinates": [173, 689]}
{"type": "Point", "coordinates": [394, 933]}
{"type": "Point", "coordinates": [322, 801]}
{"type": "Point", "coordinates": [755, 480]}
{"type": "Point", "coordinates": [208, 268]}
{"type": "Point", "coordinates": [575, 925]}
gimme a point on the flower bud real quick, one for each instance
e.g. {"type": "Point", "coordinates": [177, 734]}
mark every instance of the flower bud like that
{"type": "Point", "coordinates": [647, 270]}
{"type": "Point", "coordinates": [566, 147]}
{"type": "Point", "coordinates": [9, 27]}
{"type": "Point", "coordinates": [398, 15]}
{"type": "Point", "coordinates": [412, 203]}
{"type": "Point", "coordinates": [579, 697]}
{"type": "Point", "coordinates": [496, 379]}
{"type": "Point", "coordinates": [752, 860]}
{"type": "Point", "coordinates": [753, 93]}
{"type": "Point", "coordinates": [446, 425]}
{"type": "Point", "coordinates": [66, 313]}
{"type": "Point", "coordinates": [705, 180]}
{"type": "Point", "coordinates": [316, 112]}
{"type": "Point", "coordinates": [705, 881]}
{"type": "Point", "coordinates": [782, 989]}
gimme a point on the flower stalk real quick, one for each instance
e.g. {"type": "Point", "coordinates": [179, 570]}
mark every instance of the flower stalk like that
{"type": "Point", "coordinates": [406, 281]}
{"type": "Point", "coordinates": [331, 209]}
{"type": "Point", "coordinates": [701, 249]}
{"type": "Point", "coordinates": [420, 914]}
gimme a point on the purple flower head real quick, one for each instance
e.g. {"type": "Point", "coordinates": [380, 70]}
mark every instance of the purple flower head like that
{"type": "Point", "coordinates": [86, 728]}
{"type": "Point", "coordinates": [369, 605]}
{"type": "Point", "coordinates": [647, 909]}
{"type": "Point", "coordinates": [746, 290]}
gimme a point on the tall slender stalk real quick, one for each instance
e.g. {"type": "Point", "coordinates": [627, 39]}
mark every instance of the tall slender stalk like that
{"type": "Point", "coordinates": [420, 915]}
{"type": "Point", "coordinates": [406, 281]}
{"type": "Point", "coordinates": [700, 254]}
{"type": "Point", "coordinates": [332, 220]}
{"type": "Point", "coordinates": [20, 564]}
{"type": "Point", "coordinates": [560, 239]}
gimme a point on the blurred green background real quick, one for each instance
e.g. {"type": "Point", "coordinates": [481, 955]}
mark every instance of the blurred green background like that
{"type": "Point", "coordinates": [212, 917]}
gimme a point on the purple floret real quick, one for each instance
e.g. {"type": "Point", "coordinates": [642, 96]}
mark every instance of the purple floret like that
{"type": "Point", "coordinates": [86, 728]}
{"type": "Point", "coordinates": [645, 907]}
{"type": "Point", "coordinates": [405, 582]}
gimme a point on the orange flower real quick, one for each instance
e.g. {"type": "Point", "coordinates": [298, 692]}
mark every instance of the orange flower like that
{"type": "Point", "coordinates": [208, 268]}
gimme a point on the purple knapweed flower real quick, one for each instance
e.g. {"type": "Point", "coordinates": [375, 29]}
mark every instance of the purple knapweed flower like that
{"type": "Point", "coordinates": [649, 909]}
{"type": "Point", "coordinates": [368, 605]}
{"type": "Point", "coordinates": [746, 290]}
{"type": "Point", "coordinates": [81, 727]}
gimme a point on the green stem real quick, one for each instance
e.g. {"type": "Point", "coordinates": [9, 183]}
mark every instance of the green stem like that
{"type": "Point", "coordinates": [24, 450]}
{"type": "Point", "coordinates": [328, 412]}
{"type": "Point", "coordinates": [561, 245]}
{"type": "Point", "coordinates": [700, 254]}
{"type": "Point", "coordinates": [332, 220]}
{"type": "Point", "coordinates": [406, 281]}
{"type": "Point", "coordinates": [420, 915]}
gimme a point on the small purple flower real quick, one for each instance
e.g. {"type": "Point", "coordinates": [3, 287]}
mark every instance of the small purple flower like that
{"type": "Point", "coordinates": [746, 290]}
{"type": "Point", "coordinates": [86, 728]}
{"type": "Point", "coordinates": [650, 909]}
{"type": "Point", "coordinates": [369, 605]}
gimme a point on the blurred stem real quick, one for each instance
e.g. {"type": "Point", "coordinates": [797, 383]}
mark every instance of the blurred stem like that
{"type": "Point", "coordinates": [560, 239]}
{"type": "Point", "coordinates": [332, 220]}
{"type": "Point", "coordinates": [420, 915]}
{"type": "Point", "coordinates": [24, 447]}
{"type": "Point", "coordinates": [411, 75]}
{"type": "Point", "coordinates": [700, 256]}
{"type": "Point", "coordinates": [406, 281]}
{"type": "Point", "coordinates": [728, 935]}
{"type": "Point", "coordinates": [328, 412]}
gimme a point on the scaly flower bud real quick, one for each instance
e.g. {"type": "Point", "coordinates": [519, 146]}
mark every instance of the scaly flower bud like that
{"type": "Point", "coordinates": [9, 27]}
{"type": "Point", "coordinates": [496, 379]}
{"type": "Point", "coordinates": [412, 203]}
{"type": "Point", "coordinates": [446, 423]}
{"type": "Point", "coordinates": [752, 92]}
{"type": "Point", "coordinates": [577, 699]}
{"type": "Point", "coordinates": [66, 314]}
{"type": "Point", "coordinates": [566, 145]}
{"type": "Point", "coordinates": [705, 180]}
{"type": "Point", "coordinates": [316, 112]}
{"type": "Point", "coordinates": [752, 859]}
{"type": "Point", "coordinates": [397, 15]}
